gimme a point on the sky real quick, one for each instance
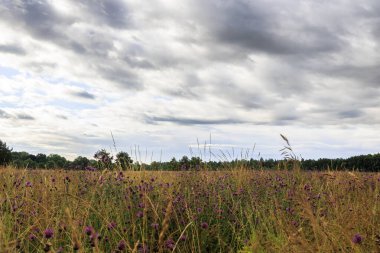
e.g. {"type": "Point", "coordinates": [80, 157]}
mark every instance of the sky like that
{"type": "Point", "coordinates": [171, 78]}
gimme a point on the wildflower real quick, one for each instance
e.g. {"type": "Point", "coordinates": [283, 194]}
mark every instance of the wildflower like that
{"type": "Point", "coordinates": [357, 239]}
{"type": "Point", "coordinates": [155, 226]}
{"type": "Point", "coordinates": [143, 248]}
{"type": "Point", "coordinates": [307, 187]}
{"type": "Point", "coordinates": [111, 225]}
{"type": "Point", "coordinates": [183, 238]}
{"type": "Point", "coordinates": [49, 233]}
{"type": "Point", "coordinates": [204, 225]}
{"type": "Point", "coordinates": [95, 236]}
{"type": "Point", "coordinates": [28, 184]}
{"type": "Point", "coordinates": [122, 245]}
{"type": "Point", "coordinates": [170, 244]}
{"type": "Point", "coordinates": [90, 168]}
{"type": "Point", "coordinates": [32, 237]}
{"type": "Point", "coordinates": [140, 214]}
{"type": "Point", "coordinates": [88, 230]}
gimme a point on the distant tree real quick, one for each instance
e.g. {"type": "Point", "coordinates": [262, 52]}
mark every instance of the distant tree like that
{"type": "Point", "coordinates": [124, 160]}
{"type": "Point", "coordinates": [173, 164]}
{"type": "Point", "coordinates": [58, 161]}
{"type": "Point", "coordinates": [104, 159]}
{"type": "Point", "coordinates": [80, 163]}
{"type": "Point", "coordinates": [195, 163]}
{"type": "Point", "coordinates": [30, 164]}
{"type": "Point", "coordinates": [41, 158]}
{"type": "Point", "coordinates": [20, 155]}
{"type": "Point", "coordinates": [5, 153]}
{"type": "Point", "coordinates": [50, 165]}
{"type": "Point", "coordinates": [184, 163]}
{"type": "Point", "coordinates": [93, 163]}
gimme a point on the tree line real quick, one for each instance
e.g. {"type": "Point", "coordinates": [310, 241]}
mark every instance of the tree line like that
{"type": "Point", "coordinates": [104, 160]}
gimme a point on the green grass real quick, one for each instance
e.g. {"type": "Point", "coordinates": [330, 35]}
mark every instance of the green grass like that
{"type": "Point", "coordinates": [231, 211]}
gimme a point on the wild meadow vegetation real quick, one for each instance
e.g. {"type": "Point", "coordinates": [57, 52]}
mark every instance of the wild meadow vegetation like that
{"type": "Point", "coordinates": [192, 211]}
{"type": "Point", "coordinates": [196, 209]}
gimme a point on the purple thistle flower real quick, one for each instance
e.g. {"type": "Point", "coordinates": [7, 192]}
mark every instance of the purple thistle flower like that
{"type": "Point", "coordinates": [90, 168]}
{"type": "Point", "coordinates": [183, 238]}
{"type": "Point", "coordinates": [88, 230]}
{"type": "Point", "coordinates": [28, 184]}
{"type": "Point", "coordinates": [170, 244]}
{"type": "Point", "coordinates": [307, 187]}
{"type": "Point", "coordinates": [357, 239]}
{"type": "Point", "coordinates": [204, 225]}
{"type": "Point", "coordinates": [155, 226]}
{"type": "Point", "coordinates": [111, 225]}
{"type": "Point", "coordinates": [140, 214]}
{"type": "Point", "coordinates": [142, 248]}
{"type": "Point", "coordinates": [49, 233]}
{"type": "Point", "coordinates": [95, 236]}
{"type": "Point", "coordinates": [32, 237]}
{"type": "Point", "coordinates": [122, 245]}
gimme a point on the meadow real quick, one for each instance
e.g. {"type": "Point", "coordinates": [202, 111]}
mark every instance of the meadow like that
{"type": "Point", "coordinates": [238, 210]}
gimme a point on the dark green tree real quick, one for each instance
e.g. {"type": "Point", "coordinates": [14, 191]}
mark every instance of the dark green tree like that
{"type": "Point", "coordinates": [124, 160]}
{"type": "Point", "coordinates": [5, 154]}
{"type": "Point", "coordinates": [80, 163]}
{"type": "Point", "coordinates": [184, 163]}
{"type": "Point", "coordinates": [30, 164]}
{"type": "Point", "coordinates": [195, 163]}
{"type": "Point", "coordinates": [104, 159]}
{"type": "Point", "coordinates": [58, 161]}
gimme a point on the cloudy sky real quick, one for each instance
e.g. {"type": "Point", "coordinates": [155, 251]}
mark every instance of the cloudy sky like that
{"type": "Point", "coordinates": [161, 74]}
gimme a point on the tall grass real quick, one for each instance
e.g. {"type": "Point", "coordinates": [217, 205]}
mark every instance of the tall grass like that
{"type": "Point", "coordinates": [231, 211]}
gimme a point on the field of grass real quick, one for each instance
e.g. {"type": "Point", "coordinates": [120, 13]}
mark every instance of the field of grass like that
{"type": "Point", "coordinates": [231, 211]}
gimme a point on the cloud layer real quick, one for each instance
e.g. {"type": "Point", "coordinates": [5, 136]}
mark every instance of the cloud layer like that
{"type": "Point", "coordinates": [161, 74]}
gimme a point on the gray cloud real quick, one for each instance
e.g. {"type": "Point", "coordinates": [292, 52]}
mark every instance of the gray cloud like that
{"type": "Point", "coordinates": [251, 25]}
{"type": "Point", "coordinates": [62, 117]}
{"type": "Point", "coordinates": [190, 87]}
{"type": "Point", "coordinates": [4, 114]}
{"type": "Point", "coordinates": [24, 116]}
{"type": "Point", "coordinates": [191, 121]}
{"type": "Point", "coordinates": [112, 12]}
{"type": "Point", "coordinates": [83, 94]}
{"type": "Point", "coordinates": [350, 114]}
{"type": "Point", "coordinates": [38, 18]}
{"type": "Point", "coordinates": [12, 49]}
{"type": "Point", "coordinates": [364, 74]}
{"type": "Point", "coordinates": [134, 62]}
{"type": "Point", "coordinates": [120, 76]}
